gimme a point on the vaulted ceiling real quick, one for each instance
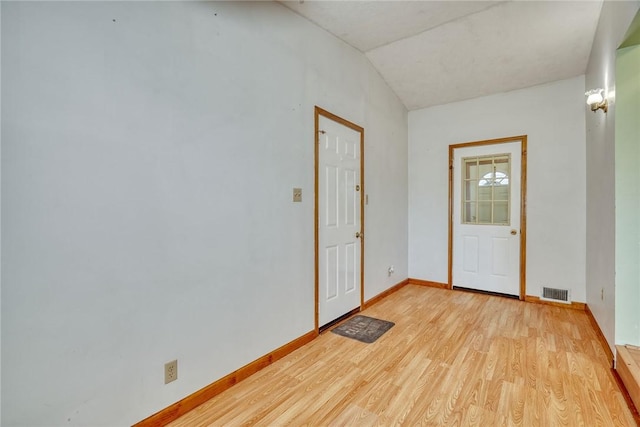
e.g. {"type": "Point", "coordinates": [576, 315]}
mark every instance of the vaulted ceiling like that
{"type": "Point", "coordinates": [436, 52]}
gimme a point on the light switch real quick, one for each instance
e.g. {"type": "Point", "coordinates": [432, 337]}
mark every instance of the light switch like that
{"type": "Point", "coordinates": [297, 194]}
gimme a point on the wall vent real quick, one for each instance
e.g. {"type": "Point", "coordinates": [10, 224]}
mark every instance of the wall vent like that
{"type": "Point", "coordinates": [558, 295]}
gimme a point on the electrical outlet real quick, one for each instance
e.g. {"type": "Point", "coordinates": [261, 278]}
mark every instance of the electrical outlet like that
{"type": "Point", "coordinates": [602, 294]}
{"type": "Point", "coordinates": [170, 371]}
{"type": "Point", "coordinates": [391, 270]}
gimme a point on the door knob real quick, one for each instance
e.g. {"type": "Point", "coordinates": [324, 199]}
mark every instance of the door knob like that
{"type": "Point", "coordinates": [514, 232]}
{"type": "Point", "coordinates": [359, 234]}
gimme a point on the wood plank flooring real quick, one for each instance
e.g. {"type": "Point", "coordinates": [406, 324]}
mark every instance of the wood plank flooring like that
{"type": "Point", "coordinates": [452, 359]}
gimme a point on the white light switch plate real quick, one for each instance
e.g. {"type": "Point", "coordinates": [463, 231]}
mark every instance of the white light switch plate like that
{"type": "Point", "coordinates": [297, 194]}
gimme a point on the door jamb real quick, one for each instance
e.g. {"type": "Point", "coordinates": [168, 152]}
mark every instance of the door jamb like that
{"type": "Point", "coordinates": [317, 113]}
{"type": "Point", "coordinates": [523, 204]}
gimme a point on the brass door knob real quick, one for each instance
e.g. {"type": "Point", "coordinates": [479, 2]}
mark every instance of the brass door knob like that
{"type": "Point", "coordinates": [514, 232]}
{"type": "Point", "coordinates": [358, 234]}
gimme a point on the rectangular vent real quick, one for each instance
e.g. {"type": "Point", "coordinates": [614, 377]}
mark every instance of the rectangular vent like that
{"type": "Point", "coordinates": [553, 294]}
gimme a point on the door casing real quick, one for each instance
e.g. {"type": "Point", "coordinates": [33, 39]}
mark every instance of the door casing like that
{"type": "Point", "coordinates": [523, 204]}
{"type": "Point", "coordinates": [317, 113]}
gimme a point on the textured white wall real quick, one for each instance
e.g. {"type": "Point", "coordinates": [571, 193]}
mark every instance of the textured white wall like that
{"type": "Point", "coordinates": [600, 251]}
{"type": "Point", "coordinates": [627, 158]}
{"type": "Point", "coordinates": [552, 116]}
{"type": "Point", "coordinates": [149, 152]}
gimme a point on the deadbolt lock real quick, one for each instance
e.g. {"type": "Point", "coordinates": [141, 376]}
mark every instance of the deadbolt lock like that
{"type": "Point", "coordinates": [357, 188]}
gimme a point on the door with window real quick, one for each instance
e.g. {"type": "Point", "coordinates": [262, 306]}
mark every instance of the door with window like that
{"type": "Point", "coordinates": [486, 216]}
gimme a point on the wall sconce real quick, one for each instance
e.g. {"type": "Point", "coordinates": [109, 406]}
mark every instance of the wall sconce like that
{"type": "Point", "coordinates": [596, 100]}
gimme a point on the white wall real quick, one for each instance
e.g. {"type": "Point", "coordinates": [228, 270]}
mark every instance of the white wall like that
{"type": "Point", "coordinates": [149, 154]}
{"type": "Point", "coordinates": [552, 116]}
{"type": "Point", "coordinates": [627, 158]}
{"type": "Point", "coordinates": [600, 250]}
{"type": "Point", "coordinates": [0, 218]}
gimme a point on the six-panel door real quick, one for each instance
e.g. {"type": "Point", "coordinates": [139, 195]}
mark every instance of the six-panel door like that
{"type": "Point", "coordinates": [338, 220]}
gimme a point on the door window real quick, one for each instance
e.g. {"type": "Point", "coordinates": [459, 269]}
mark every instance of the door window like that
{"type": "Point", "coordinates": [486, 190]}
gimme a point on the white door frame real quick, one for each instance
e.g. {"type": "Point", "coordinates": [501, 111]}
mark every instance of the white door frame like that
{"type": "Point", "coordinates": [324, 113]}
{"type": "Point", "coordinates": [523, 204]}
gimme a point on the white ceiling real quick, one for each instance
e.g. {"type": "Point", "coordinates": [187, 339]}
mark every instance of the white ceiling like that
{"type": "Point", "coordinates": [436, 52]}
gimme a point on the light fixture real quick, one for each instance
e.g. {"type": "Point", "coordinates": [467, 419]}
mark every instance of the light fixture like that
{"type": "Point", "coordinates": [596, 100]}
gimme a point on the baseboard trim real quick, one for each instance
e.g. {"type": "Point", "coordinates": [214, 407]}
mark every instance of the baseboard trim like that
{"type": "Point", "coordinates": [385, 294]}
{"type": "Point", "coordinates": [190, 402]}
{"type": "Point", "coordinates": [428, 283]}
{"type": "Point", "coordinates": [601, 337]}
{"type": "Point", "coordinates": [573, 306]}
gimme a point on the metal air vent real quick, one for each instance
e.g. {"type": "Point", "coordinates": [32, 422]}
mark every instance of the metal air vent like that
{"type": "Point", "coordinates": [553, 294]}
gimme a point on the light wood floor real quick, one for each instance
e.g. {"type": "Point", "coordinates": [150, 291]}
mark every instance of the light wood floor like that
{"type": "Point", "coordinates": [452, 359]}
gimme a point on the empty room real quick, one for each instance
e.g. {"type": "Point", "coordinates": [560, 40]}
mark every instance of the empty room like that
{"type": "Point", "coordinates": [320, 213]}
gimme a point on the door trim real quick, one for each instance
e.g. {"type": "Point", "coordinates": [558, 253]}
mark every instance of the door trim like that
{"type": "Point", "coordinates": [523, 204]}
{"type": "Point", "coordinates": [324, 113]}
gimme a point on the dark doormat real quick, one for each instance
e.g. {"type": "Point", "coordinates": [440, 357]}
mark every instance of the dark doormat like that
{"type": "Point", "coordinates": [363, 328]}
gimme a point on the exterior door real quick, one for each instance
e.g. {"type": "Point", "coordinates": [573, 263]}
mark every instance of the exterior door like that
{"type": "Point", "coordinates": [339, 218]}
{"type": "Point", "coordinates": [486, 217]}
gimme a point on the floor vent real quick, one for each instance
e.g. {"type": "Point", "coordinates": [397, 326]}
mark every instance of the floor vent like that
{"type": "Point", "coordinates": [553, 294]}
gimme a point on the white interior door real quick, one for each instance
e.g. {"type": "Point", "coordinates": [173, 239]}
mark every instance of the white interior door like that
{"type": "Point", "coordinates": [486, 217]}
{"type": "Point", "coordinates": [339, 228]}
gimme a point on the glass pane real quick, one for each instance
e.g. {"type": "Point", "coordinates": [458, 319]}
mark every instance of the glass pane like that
{"type": "Point", "coordinates": [469, 213]}
{"type": "Point", "coordinates": [486, 167]}
{"type": "Point", "coordinates": [471, 168]}
{"type": "Point", "coordinates": [500, 178]}
{"type": "Point", "coordinates": [484, 212]}
{"type": "Point", "coordinates": [502, 170]}
{"type": "Point", "coordinates": [501, 213]}
{"type": "Point", "coordinates": [484, 193]}
{"type": "Point", "coordinates": [501, 192]}
{"type": "Point", "coordinates": [502, 165]}
{"type": "Point", "coordinates": [470, 190]}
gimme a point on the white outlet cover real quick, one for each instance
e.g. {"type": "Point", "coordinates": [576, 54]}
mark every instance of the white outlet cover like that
{"type": "Point", "coordinates": [170, 371]}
